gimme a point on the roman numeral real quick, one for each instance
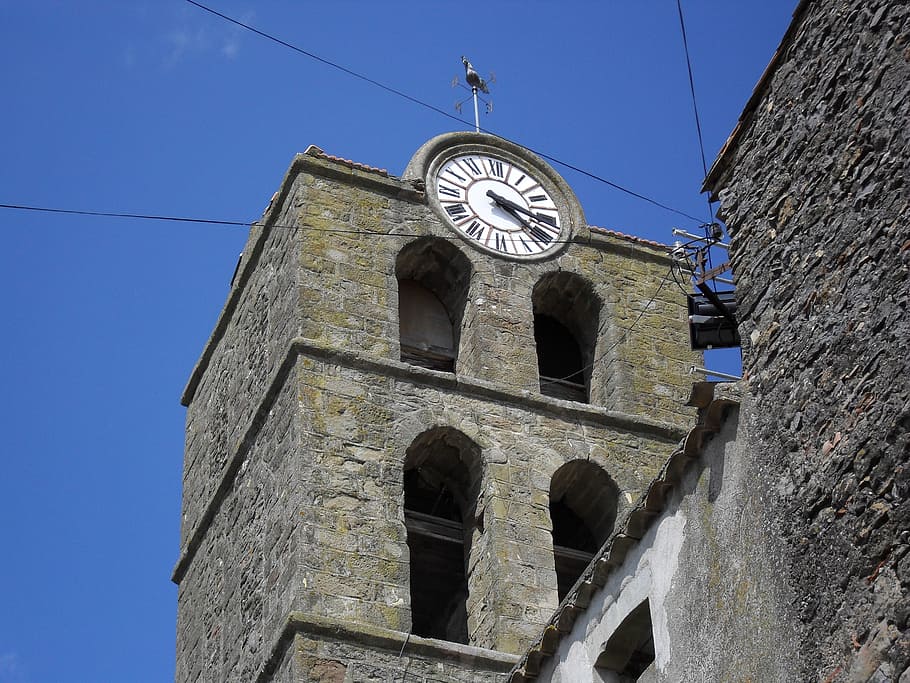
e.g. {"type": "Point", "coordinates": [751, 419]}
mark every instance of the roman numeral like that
{"type": "Point", "coordinates": [538, 198]}
{"type": "Point", "coordinates": [457, 210]}
{"type": "Point", "coordinates": [495, 167]}
{"type": "Point", "coordinates": [475, 230]}
{"type": "Point", "coordinates": [518, 182]}
{"type": "Point", "coordinates": [525, 245]}
{"type": "Point", "coordinates": [449, 191]}
{"type": "Point", "coordinates": [549, 220]}
{"type": "Point", "coordinates": [501, 243]}
{"type": "Point", "coordinates": [460, 177]}
{"type": "Point", "coordinates": [540, 235]}
{"type": "Point", "coordinates": [472, 165]}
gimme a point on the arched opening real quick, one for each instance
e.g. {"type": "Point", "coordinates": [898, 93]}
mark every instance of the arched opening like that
{"type": "Point", "coordinates": [441, 479]}
{"type": "Point", "coordinates": [629, 652]}
{"type": "Point", "coordinates": [426, 332]}
{"type": "Point", "coordinates": [433, 278]}
{"type": "Point", "coordinates": [583, 501]}
{"type": "Point", "coordinates": [559, 360]}
{"type": "Point", "coordinates": [566, 313]}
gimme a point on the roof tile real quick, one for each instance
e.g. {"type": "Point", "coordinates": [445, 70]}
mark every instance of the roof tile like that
{"type": "Point", "coordinates": [315, 151]}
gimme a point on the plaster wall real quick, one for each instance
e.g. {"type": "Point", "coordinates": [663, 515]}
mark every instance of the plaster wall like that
{"type": "Point", "coordinates": [708, 570]}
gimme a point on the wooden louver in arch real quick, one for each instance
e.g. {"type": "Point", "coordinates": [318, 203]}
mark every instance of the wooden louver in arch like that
{"type": "Point", "coordinates": [426, 333]}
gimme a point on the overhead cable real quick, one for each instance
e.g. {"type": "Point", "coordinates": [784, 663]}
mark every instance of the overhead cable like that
{"type": "Point", "coordinates": [419, 102]}
{"type": "Point", "coordinates": [235, 223]}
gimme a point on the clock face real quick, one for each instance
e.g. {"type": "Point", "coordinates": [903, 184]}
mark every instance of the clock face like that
{"type": "Point", "coordinates": [498, 205]}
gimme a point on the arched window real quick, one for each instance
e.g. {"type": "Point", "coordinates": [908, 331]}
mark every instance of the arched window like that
{"type": "Point", "coordinates": [583, 500]}
{"type": "Point", "coordinates": [629, 653]}
{"type": "Point", "coordinates": [433, 277]}
{"type": "Point", "coordinates": [441, 480]}
{"type": "Point", "coordinates": [566, 312]}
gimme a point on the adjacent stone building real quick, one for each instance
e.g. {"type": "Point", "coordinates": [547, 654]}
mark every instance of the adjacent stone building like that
{"type": "Point", "coordinates": [425, 404]}
{"type": "Point", "coordinates": [780, 551]}
{"type": "Point", "coordinates": [814, 188]}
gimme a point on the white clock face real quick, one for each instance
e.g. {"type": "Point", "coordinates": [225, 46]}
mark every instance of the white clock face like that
{"type": "Point", "coordinates": [498, 205]}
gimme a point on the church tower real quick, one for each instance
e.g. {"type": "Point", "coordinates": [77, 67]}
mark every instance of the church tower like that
{"type": "Point", "coordinates": [422, 409]}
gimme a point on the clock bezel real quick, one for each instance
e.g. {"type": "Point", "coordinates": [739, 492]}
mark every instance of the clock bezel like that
{"type": "Point", "coordinates": [434, 155]}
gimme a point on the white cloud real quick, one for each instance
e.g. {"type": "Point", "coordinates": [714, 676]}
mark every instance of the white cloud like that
{"type": "Point", "coordinates": [11, 670]}
{"type": "Point", "coordinates": [203, 35]}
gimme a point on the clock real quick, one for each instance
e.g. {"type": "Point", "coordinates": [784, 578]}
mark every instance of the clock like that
{"type": "Point", "coordinates": [498, 203]}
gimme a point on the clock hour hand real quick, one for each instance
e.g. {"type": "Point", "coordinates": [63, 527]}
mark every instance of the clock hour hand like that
{"type": "Point", "coordinates": [513, 209]}
{"type": "Point", "coordinates": [518, 217]}
{"type": "Point", "coordinates": [508, 204]}
{"type": "Point", "coordinates": [504, 203]}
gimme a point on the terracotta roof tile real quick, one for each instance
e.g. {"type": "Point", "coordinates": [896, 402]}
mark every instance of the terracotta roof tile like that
{"type": "Point", "coordinates": [315, 151]}
{"type": "Point", "coordinates": [631, 238]}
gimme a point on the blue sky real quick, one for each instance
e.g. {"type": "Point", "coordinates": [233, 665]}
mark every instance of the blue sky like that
{"type": "Point", "coordinates": [161, 108]}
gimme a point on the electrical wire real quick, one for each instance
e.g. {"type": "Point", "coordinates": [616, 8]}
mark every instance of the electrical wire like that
{"type": "Point", "coordinates": [112, 214]}
{"type": "Point", "coordinates": [235, 223]}
{"type": "Point", "coordinates": [676, 280]}
{"type": "Point", "coordinates": [701, 144]}
{"type": "Point", "coordinates": [623, 332]}
{"type": "Point", "coordinates": [231, 223]}
{"type": "Point", "coordinates": [419, 102]}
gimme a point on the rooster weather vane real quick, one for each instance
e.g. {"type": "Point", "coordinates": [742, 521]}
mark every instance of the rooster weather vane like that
{"type": "Point", "coordinates": [475, 83]}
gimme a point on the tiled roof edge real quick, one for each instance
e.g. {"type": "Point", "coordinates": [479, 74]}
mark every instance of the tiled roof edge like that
{"type": "Point", "coordinates": [712, 400]}
{"type": "Point", "coordinates": [315, 151]}
{"type": "Point", "coordinates": [630, 238]}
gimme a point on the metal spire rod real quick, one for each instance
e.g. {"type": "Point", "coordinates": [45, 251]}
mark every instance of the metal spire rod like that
{"type": "Point", "coordinates": [476, 83]}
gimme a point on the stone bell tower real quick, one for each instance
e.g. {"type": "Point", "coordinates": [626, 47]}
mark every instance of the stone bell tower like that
{"type": "Point", "coordinates": [424, 405]}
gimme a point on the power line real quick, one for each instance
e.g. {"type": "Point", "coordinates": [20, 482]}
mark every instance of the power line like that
{"type": "Point", "coordinates": [112, 214]}
{"type": "Point", "coordinates": [245, 224]}
{"type": "Point", "coordinates": [327, 62]}
{"type": "Point", "coordinates": [623, 336]}
{"type": "Point", "coordinates": [234, 223]}
{"type": "Point", "coordinates": [701, 144]}
{"type": "Point", "coordinates": [419, 102]}
{"type": "Point", "coordinates": [185, 219]}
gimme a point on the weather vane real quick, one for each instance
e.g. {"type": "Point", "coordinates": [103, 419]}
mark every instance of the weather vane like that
{"type": "Point", "coordinates": [475, 83]}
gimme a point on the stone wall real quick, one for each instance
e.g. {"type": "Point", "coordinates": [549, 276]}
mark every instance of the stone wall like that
{"type": "Point", "coordinates": [813, 186]}
{"type": "Point", "coordinates": [230, 379]}
{"type": "Point", "coordinates": [239, 582]}
{"type": "Point", "coordinates": [365, 418]}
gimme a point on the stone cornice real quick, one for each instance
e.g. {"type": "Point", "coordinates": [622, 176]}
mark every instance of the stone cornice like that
{"type": "Point", "coordinates": [465, 386]}
{"type": "Point", "coordinates": [399, 642]}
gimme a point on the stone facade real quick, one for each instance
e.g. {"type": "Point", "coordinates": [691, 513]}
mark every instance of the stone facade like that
{"type": "Point", "coordinates": [294, 560]}
{"type": "Point", "coordinates": [813, 186]}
